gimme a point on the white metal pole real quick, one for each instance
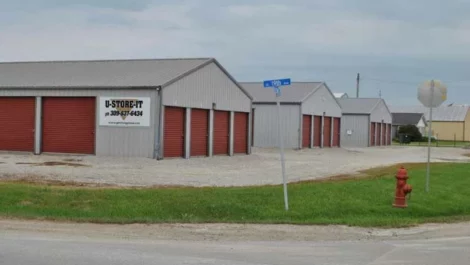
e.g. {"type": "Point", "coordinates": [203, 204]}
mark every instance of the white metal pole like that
{"type": "Point", "coordinates": [428, 166]}
{"type": "Point", "coordinates": [281, 148]}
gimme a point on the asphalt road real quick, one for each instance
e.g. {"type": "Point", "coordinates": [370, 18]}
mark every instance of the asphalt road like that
{"type": "Point", "coordinates": [20, 247]}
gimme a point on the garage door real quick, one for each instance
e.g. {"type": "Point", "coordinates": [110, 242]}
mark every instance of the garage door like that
{"type": "Point", "coordinates": [372, 134]}
{"type": "Point", "coordinates": [317, 131]}
{"type": "Point", "coordinates": [173, 143]}
{"type": "Point", "coordinates": [306, 130]}
{"type": "Point", "coordinates": [221, 132]}
{"type": "Point", "coordinates": [199, 132]}
{"type": "Point", "coordinates": [253, 127]}
{"type": "Point", "coordinates": [17, 117]}
{"type": "Point", "coordinates": [389, 138]}
{"type": "Point", "coordinates": [379, 133]}
{"type": "Point", "coordinates": [68, 125]}
{"type": "Point", "coordinates": [336, 131]}
{"type": "Point", "coordinates": [384, 127]}
{"type": "Point", "coordinates": [240, 133]}
{"type": "Point", "coordinates": [327, 132]}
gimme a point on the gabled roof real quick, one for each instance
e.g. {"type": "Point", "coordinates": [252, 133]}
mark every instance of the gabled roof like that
{"type": "Point", "coordinates": [443, 113]}
{"type": "Point", "coordinates": [341, 95]}
{"type": "Point", "coordinates": [297, 92]}
{"type": "Point", "coordinates": [358, 105]}
{"type": "Point", "coordinates": [406, 118]}
{"type": "Point", "coordinates": [97, 73]}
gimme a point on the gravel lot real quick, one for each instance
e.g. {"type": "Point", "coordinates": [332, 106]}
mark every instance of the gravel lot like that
{"type": "Point", "coordinates": [262, 167]}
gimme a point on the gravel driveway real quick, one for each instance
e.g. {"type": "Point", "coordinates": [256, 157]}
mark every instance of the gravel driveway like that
{"type": "Point", "coordinates": [262, 167]}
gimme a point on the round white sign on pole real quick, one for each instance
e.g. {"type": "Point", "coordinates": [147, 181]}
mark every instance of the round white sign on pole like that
{"type": "Point", "coordinates": [432, 93]}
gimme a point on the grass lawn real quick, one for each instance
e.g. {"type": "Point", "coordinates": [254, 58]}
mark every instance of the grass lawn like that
{"type": "Point", "coordinates": [366, 201]}
{"type": "Point", "coordinates": [440, 143]}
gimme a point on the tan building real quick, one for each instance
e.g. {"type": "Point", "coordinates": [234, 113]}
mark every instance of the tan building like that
{"type": "Point", "coordinates": [448, 122]}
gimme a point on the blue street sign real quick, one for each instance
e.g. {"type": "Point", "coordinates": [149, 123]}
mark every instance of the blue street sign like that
{"type": "Point", "coordinates": [277, 83]}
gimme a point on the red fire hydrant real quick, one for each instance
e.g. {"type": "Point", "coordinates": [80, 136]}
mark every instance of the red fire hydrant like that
{"type": "Point", "coordinates": [402, 188]}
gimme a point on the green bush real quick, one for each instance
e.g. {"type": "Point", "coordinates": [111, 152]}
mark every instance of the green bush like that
{"type": "Point", "coordinates": [412, 131]}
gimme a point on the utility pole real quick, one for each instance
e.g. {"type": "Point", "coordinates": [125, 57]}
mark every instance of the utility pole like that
{"type": "Point", "coordinates": [380, 93]}
{"type": "Point", "coordinates": [357, 84]}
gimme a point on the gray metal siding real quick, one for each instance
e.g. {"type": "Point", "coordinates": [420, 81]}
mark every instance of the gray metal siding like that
{"type": "Point", "coordinates": [110, 141]}
{"type": "Point", "coordinates": [359, 125]}
{"type": "Point", "coordinates": [204, 87]}
{"type": "Point", "coordinates": [266, 122]}
{"type": "Point", "coordinates": [321, 101]}
{"type": "Point", "coordinates": [380, 112]}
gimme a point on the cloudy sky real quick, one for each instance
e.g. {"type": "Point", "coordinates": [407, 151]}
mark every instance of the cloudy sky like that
{"type": "Point", "coordinates": [395, 45]}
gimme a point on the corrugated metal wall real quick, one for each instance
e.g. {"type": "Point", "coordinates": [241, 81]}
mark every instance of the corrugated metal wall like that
{"type": "Point", "coordinates": [321, 101]}
{"type": "Point", "coordinates": [266, 122]}
{"type": "Point", "coordinates": [381, 113]}
{"type": "Point", "coordinates": [204, 87]}
{"type": "Point", "coordinates": [110, 141]}
{"type": "Point", "coordinates": [359, 126]}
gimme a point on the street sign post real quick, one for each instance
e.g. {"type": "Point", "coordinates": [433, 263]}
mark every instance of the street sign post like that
{"type": "Point", "coordinates": [276, 85]}
{"type": "Point", "coordinates": [431, 94]}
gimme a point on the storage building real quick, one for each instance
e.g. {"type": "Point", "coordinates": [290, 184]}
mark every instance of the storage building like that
{"type": "Point", "coordinates": [310, 115]}
{"type": "Point", "coordinates": [156, 108]}
{"type": "Point", "coordinates": [365, 122]}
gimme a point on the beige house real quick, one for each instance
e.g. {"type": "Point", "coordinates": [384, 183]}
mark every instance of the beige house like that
{"type": "Point", "coordinates": [448, 122]}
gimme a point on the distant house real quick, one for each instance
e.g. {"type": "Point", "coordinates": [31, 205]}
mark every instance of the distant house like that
{"type": "Point", "coordinates": [402, 119]}
{"type": "Point", "coordinates": [448, 122]}
{"type": "Point", "coordinates": [341, 95]}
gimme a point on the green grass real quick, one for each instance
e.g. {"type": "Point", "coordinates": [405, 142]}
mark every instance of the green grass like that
{"type": "Point", "coordinates": [362, 202]}
{"type": "Point", "coordinates": [440, 143]}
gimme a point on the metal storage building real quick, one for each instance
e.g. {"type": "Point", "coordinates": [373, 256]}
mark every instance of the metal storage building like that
{"type": "Point", "coordinates": [365, 122]}
{"type": "Point", "coordinates": [310, 115]}
{"type": "Point", "coordinates": [151, 108]}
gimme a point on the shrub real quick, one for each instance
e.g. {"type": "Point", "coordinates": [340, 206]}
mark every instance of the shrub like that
{"type": "Point", "coordinates": [412, 131]}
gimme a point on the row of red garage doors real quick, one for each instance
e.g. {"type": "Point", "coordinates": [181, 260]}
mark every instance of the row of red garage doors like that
{"type": "Point", "coordinates": [328, 133]}
{"type": "Point", "coordinates": [68, 124]}
{"type": "Point", "coordinates": [174, 132]}
{"type": "Point", "coordinates": [380, 134]}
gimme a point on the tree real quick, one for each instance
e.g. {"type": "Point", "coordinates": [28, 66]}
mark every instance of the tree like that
{"type": "Point", "coordinates": [412, 131]}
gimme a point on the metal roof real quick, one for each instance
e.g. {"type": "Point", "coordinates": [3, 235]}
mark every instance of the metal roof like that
{"type": "Point", "coordinates": [297, 92]}
{"type": "Point", "coordinates": [406, 118]}
{"type": "Point", "coordinates": [358, 105]}
{"type": "Point", "coordinates": [97, 73]}
{"type": "Point", "coordinates": [443, 113]}
{"type": "Point", "coordinates": [341, 95]}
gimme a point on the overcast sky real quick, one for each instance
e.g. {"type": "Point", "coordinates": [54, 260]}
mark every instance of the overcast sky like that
{"type": "Point", "coordinates": [395, 45]}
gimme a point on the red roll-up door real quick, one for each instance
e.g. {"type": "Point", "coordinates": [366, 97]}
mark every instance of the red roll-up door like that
{"type": "Point", "coordinates": [389, 134]}
{"type": "Point", "coordinates": [173, 143]}
{"type": "Point", "coordinates": [383, 134]}
{"type": "Point", "coordinates": [327, 132]}
{"type": "Point", "coordinates": [252, 127]}
{"type": "Point", "coordinates": [199, 132]}
{"type": "Point", "coordinates": [17, 116]}
{"type": "Point", "coordinates": [317, 131]}
{"type": "Point", "coordinates": [379, 133]}
{"type": "Point", "coordinates": [68, 125]}
{"type": "Point", "coordinates": [336, 131]}
{"type": "Point", "coordinates": [240, 131]}
{"type": "Point", "coordinates": [306, 130]}
{"type": "Point", "coordinates": [221, 132]}
{"type": "Point", "coordinates": [372, 134]}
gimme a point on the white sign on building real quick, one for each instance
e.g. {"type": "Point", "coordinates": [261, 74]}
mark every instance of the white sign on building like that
{"type": "Point", "coordinates": [124, 111]}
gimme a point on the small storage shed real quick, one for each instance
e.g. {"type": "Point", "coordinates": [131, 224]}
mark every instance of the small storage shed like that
{"type": "Point", "coordinates": [156, 108]}
{"type": "Point", "coordinates": [310, 115]}
{"type": "Point", "coordinates": [365, 122]}
{"type": "Point", "coordinates": [402, 119]}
